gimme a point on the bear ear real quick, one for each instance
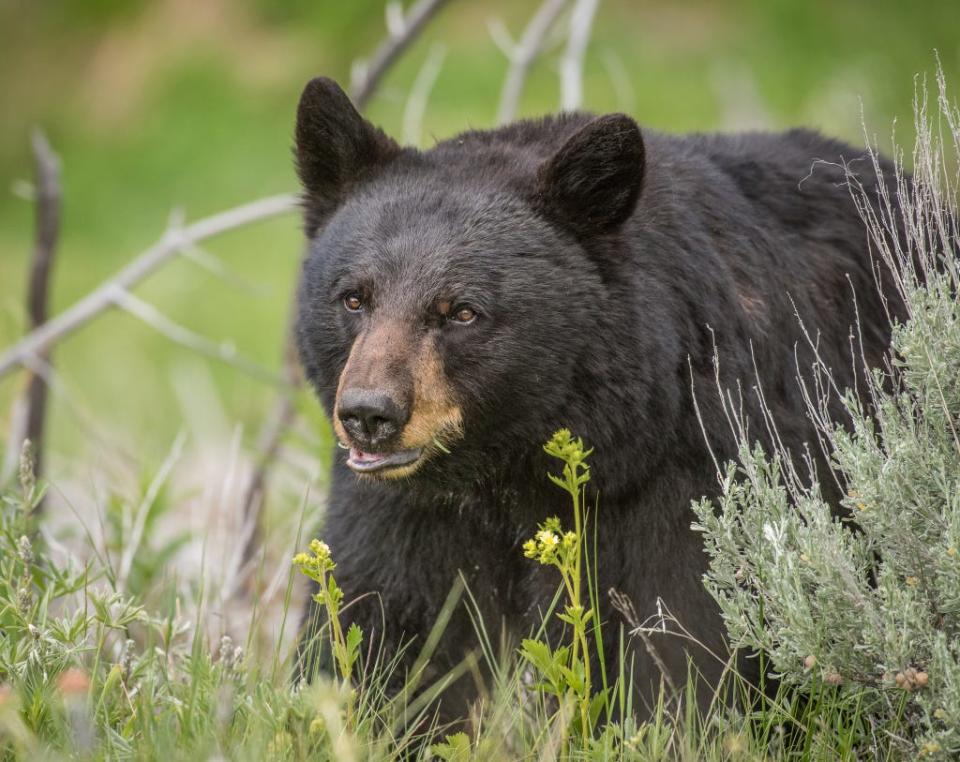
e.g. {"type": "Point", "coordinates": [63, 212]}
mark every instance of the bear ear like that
{"type": "Point", "coordinates": [592, 183]}
{"type": "Point", "coordinates": [336, 148]}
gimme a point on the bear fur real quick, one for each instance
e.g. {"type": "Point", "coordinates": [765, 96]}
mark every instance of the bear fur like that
{"type": "Point", "coordinates": [566, 272]}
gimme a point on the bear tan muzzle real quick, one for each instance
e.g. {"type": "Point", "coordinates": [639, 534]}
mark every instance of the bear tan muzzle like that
{"type": "Point", "coordinates": [387, 360]}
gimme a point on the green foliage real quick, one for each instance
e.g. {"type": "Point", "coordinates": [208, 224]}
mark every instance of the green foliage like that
{"type": "Point", "coordinates": [455, 748]}
{"type": "Point", "coordinates": [89, 672]}
{"type": "Point", "coordinates": [868, 606]}
{"type": "Point", "coordinates": [565, 670]}
{"type": "Point", "coordinates": [318, 565]}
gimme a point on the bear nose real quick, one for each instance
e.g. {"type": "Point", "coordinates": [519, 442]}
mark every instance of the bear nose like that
{"type": "Point", "coordinates": [370, 417]}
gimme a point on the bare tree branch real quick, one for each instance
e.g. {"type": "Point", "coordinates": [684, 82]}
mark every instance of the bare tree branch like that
{"type": "Point", "coordinates": [367, 74]}
{"type": "Point", "coordinates": [42, 338]}
{"type": "Point", "coordinates": [523, 54]}
{"type": "Point", "coordinates": [620, 79]}
{"type": "Point", "coordinates": [281, 418]}
{"type": "Point", "coordinates": [420, 94]}
{"type": "Point", "coordinates": [571, 66]}
{"type": "Point", "coordinates": [48, 198]}
{"type": "Point", "coordinates": [223, 351]}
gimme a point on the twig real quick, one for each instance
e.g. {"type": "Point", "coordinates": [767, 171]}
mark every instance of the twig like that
{"type": "Point", "coordinates": [41, 339]}
{"type": "Point", "coordinates": [281, 418]}
{"type": "Point", "coordinates": [48, 197]}
{"type": "Point", "coordinates": [402, 32]}
{"type": "Point", "coordinates": [223, 351]}
{"type": "Point", "coordinates": [420, 93]}
{"type": "Point", "coordinates": [524, 54]}
{"type": "Point", "coordinates": [622, 603]}
{"type": "Point", "coordinates": [571, 66]}
{"type": "Point", "coordinates": [620, 79]}
{"type": "Point", "coordinates": [219, 269]}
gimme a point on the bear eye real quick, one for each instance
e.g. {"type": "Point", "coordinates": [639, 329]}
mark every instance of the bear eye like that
{"type": "Point", "coordinates": [464, 315]}
{"type": "Point", "coordinates": [353, 302]}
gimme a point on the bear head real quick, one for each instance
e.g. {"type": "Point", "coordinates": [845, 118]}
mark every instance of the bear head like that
{"type": "Point", "coordinates": [444, 293]}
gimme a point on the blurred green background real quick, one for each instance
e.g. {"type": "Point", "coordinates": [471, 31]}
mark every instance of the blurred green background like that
{"type": "Point", "coordinates": [157, 104]}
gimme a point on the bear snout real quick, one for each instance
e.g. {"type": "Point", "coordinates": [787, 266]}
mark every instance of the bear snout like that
{"type": "Point", "coordinates": [372, 418]}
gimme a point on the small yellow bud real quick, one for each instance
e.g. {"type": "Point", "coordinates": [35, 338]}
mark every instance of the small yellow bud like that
{"type": "Point", "coordinates": [804, 558]}
{"type": "Point", "coordinates": [320, 549]}
{"type": "Point", "coordinates": [552, 524]}
{"type": "Point", "coordinates": [911, 581]}
{"type": "Point", "coordinates": [952, 551]}
{"type": "Point", "coordinates": [940, 714]}
{"type": "Point", "coordinates": [929, 748]}
{"type": "Point", "coordinates": [861, 506]}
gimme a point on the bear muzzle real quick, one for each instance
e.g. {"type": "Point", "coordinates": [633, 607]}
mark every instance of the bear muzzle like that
{"type": "Point", "coordinates": [373, 420]}
{"type": "Point", "coordinates": [394, 407]}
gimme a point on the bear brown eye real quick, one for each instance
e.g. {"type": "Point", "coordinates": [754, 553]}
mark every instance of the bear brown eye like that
{"type": "Point", "coordinates": [464, 316]}
{"type": "Point", "coordinates": [353, 302]}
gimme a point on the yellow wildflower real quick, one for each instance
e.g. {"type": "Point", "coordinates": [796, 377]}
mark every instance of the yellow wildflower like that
{"type": "Point", "coordinates": [547, 539]}
{"type": "Point", "coordinates": [319, 549]}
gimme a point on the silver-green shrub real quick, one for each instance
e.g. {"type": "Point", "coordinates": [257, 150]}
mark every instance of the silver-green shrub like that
{"type": "Point", "coordinates": [869, 607]}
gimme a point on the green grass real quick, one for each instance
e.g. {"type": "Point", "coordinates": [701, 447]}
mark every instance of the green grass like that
{"type": "Point", "coordinates": [96, 664]}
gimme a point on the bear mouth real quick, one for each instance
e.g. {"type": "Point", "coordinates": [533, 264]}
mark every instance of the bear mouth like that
{"type": "Point", "coordinates": [374, 462]}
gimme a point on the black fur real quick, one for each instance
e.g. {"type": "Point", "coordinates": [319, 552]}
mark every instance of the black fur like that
{"type": "Point", "coordinates": [605, 264]}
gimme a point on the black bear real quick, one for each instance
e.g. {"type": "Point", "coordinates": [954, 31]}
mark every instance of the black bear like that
{"type": "Point", "coordinates": [460, 304]}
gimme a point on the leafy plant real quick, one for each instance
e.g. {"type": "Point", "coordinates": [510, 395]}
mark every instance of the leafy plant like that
{"type": "Point", "coordinates": [565, 670]}
{"type": "Point", "coordinates": [869, 608]}
{"type": "Point", "coordinates": [318, 565]}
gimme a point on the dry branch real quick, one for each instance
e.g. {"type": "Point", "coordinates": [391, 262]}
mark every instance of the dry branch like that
{"type": "Point", "coordinates": [42, 338]}
{"type": "Point", "coordinates": [48, 198]}
{"type": "Point", "coordinates": [223, 351]}
{"type": "Point", "coordinates": [281, 418]}
{"type": "Point", "coordinates": [403, 30]}
{"type": "Point", "coordinates": [571, 66]}
{"type": "Point", "coordinates": [416, 105]}
{"type": "Point", "coordinates": [523, 54]}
